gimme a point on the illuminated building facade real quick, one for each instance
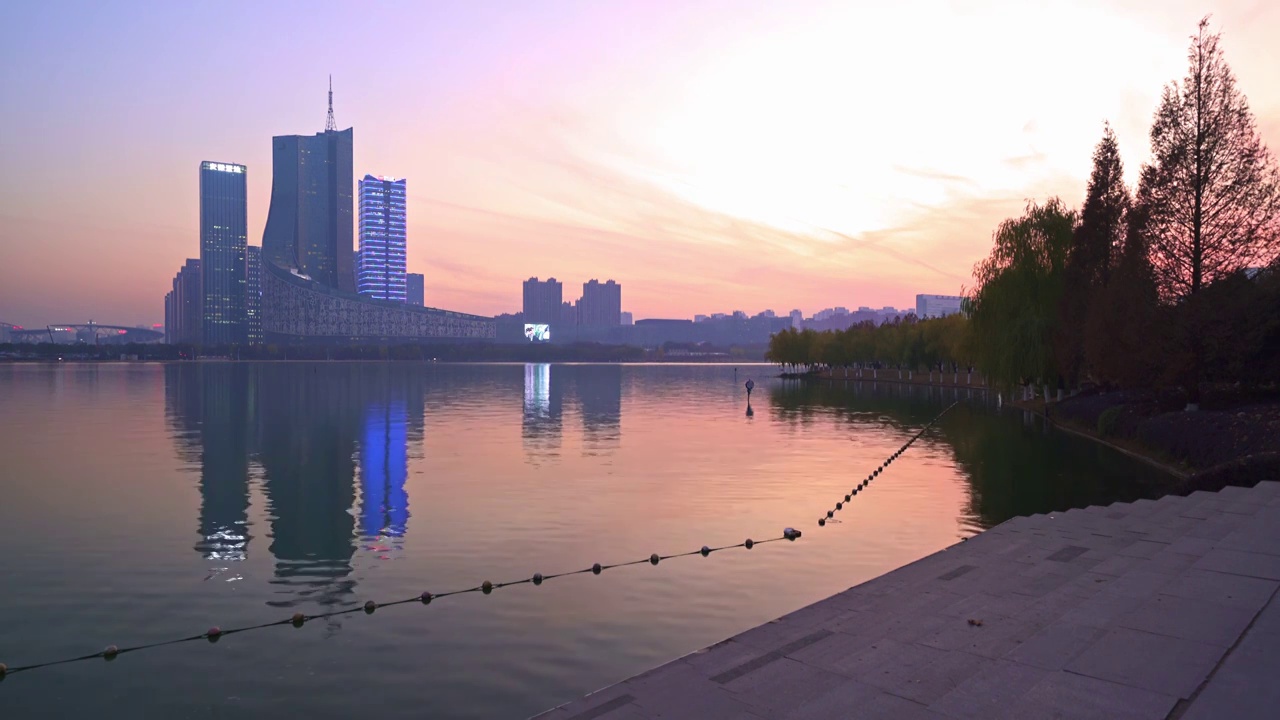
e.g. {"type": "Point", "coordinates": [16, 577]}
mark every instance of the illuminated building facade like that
{"type": "Point", "coordinates": [381, 267]}
{"type": "Point", "coordinates": [224, 222]}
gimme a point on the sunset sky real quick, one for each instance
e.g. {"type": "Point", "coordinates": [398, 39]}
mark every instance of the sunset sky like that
{"type": "Point", "coordinates": [709, 156]}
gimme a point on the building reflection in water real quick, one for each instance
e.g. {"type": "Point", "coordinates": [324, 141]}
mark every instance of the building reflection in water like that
{"type": "Point", "coordinates": [384, 467]}
{"type": "Point", "coordinates": [311, 421]}
{"type": "Point", "coordinates": [599, 390]}
{"type": "Point", "coordinates": [543, 409]}
{"type": "Point", "coordinates": [303, 424]}
{"type": "Point", "coordinates": [209, 409]}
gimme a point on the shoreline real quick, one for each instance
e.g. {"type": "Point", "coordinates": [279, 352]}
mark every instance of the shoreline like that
{"type": "Point", "coordinates": [921, 379]}
{"type": "Point", "coordinates": [1137, 451]}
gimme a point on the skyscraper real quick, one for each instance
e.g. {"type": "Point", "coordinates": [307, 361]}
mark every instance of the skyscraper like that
{"type": "Point", "coordinates": [414, 289]}
{"type": "Point", "coordinates": [224, 222]}
{"type": "Point", "coordinates": [309, 223]}
{"type": "Point", "coordinates": [182, 306]}
{"type": "Point", "coordinates": [542, 300]}
{"type": "Point", "coordinates": [381, 268]}
{"type": "Point", "coordinates": [601, 304]}
{"type": "Point", "coordinates": [253, 294]}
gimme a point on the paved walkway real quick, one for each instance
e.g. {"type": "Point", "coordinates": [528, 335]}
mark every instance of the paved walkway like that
{"type": "Point", "coordinates": [1155, 609]}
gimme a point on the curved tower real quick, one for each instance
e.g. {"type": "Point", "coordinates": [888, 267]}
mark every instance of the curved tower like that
{"type": "Point", "coordinates": [310, 221]}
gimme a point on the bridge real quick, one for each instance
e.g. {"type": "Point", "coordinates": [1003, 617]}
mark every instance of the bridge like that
{"type": "Point", "coordinates": [88, 333]}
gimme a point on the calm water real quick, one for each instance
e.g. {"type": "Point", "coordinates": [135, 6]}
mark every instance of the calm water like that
{"type": "Point", "coordinates": [146, 502]}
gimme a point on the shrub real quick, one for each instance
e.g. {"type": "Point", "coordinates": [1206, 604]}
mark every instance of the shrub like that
{"type": "Point", "coordinates": [1107, 421]}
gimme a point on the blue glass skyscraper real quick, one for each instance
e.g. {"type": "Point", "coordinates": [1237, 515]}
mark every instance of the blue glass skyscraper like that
{"type": "Point", "coordinates": [224, 222]}
{"type": "Point", "coordinates": [381, 266]}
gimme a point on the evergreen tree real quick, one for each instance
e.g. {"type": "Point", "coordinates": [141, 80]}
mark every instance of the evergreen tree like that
{"type": "Point", "coordinates": [1096, 245]}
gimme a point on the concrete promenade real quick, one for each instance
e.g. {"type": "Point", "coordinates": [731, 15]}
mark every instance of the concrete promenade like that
{"type": "Point", "coordinates": [1154, 609]}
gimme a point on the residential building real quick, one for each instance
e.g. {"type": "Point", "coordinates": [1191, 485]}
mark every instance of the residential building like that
{"type": "Point", "coordinates": [627, 318]}
{"type": "Point", "coordinates": [933, 306]}
{"type": "Point", "coordinates": [224, 222]}
{"type": "Point", "coordinates": [568, 314]}
{"type": "Point", "coordinates": [543, 301]}
{"type": "Point", "coordinates": [601, 304]}
{"type": "Point", "coordinates": [380, 272]}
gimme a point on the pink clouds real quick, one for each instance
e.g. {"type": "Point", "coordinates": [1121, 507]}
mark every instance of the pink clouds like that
{"type": "Point", "coordinates": [801, 154]}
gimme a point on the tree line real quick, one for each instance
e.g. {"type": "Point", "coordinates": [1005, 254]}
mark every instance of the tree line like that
{"type": "Point", "coordinates": [1173, 283]}
{"type": "Point", "coordinates": [906, 344]}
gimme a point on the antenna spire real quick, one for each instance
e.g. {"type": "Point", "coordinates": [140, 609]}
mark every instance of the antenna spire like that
{"type": "Point", "coordinates": [329, 124]}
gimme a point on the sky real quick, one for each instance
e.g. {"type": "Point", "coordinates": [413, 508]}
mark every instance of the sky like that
{"type": "Point", "coordinates": [709, 155]}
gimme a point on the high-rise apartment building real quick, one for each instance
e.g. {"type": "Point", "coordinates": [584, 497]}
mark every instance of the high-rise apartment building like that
{"type": "Point", "coordinates": [380, 270]}
{"type": "Point", "coordinates": [253, 294]}
{"type": "Point", "coordinates": [415, 289]}
{"type": "Point", "coordinates": [224, 223]}
{"type": "Point", "coordinates": [601, 304]}
{"type": "Point", "coordinates": [928, 306]}
{"type": "Point", "coordinates": [542, 301]}
{"type": "Point", "coordinates": [183, 316]}
{"type": "Point", "coordinates": [627, 318]}
{"type": "Point", "coordinates": [309, 224]}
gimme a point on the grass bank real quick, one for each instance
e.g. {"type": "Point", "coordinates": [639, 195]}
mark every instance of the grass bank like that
{"type": "Point", "coordinates": [1234, 439]}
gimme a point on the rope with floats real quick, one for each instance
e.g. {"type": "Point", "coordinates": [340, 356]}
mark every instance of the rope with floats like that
{"type": "Point", "coordinates": [214, 634]}
{"type": "Point", "coordinates": [862, 486]}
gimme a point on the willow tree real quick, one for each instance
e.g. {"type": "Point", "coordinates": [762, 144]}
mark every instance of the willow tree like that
{"type": "Point", "coordinates": [1015, 302]}
{"type": "Point", "coordinates": [1212, 188]}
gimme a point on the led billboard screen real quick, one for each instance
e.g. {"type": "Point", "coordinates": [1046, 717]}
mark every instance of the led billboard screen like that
{"type": "Point", "coordinates": [537, 333]}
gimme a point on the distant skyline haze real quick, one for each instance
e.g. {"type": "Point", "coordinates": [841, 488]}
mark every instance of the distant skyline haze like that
{"type": "Point", "coordinates": [708, 155]}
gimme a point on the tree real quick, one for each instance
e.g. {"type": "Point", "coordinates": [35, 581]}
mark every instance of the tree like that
{"type": "Point", "coordinates": [1212, 186]}
{"type": "Point", "coordinates": [1213, 194]}
{"type": "Point", "coordinates": [1123, 341]}
{"type": "Point", "coordinates": [1014, 306]}
{"type": "Point", "coordinates": [1095, 249]}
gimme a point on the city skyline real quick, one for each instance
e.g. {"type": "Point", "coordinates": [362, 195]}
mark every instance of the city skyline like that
{"type": "Point", "coordinates": [732, 207]}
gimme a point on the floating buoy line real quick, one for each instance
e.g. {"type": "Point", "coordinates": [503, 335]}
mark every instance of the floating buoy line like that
{"type": "Point", "coordinates": [862, 486]}
{"type": "Point", "coordinates": [299, 619]}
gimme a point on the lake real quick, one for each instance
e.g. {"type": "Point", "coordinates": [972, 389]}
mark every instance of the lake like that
{"type": "Point", "coordinates": [142, 503]}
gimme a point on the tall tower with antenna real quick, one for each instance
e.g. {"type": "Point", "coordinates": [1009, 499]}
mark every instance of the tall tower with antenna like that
{"type": "Point", "coordinates": [310, 224]}
{"type": "Point", "coordinates": [329, 124]}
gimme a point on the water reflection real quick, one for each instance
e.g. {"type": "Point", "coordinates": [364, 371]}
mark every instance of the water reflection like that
{"type": "Point", "coordinates": [211, 413]}
{"type": "Point", "coordinates": [540, 427]}
{"type": "Point", "coordinates": [1012, 468]}
{"type": "Point", "coordinates": [599, 391]}
{"type": "Point", "coordinates": [311, 423]}
{"type": "Point", "coordinates": [305, 426]}
{"type": "Point", "coordinates": [384, 467]}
